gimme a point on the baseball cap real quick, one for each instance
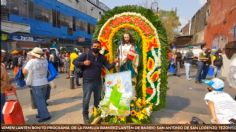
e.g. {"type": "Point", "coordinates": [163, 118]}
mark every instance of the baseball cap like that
{"type": "Point", "coordinates": [216, 83]}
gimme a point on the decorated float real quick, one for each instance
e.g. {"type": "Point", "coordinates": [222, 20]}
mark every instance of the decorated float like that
{"type": "Point", "coordinates": [151, 85]}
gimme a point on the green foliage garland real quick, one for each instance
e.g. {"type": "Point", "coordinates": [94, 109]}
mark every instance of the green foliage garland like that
{"type": "Point", "coordinates": [155, 20]}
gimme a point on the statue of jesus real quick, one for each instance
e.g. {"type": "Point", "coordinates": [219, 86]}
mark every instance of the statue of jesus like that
{"type": "Point", "coordinates": [128, 56]}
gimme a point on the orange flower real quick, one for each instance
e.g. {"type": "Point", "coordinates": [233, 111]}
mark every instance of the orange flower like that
{"type": "Point", "coordinates": [106, 32]}
{"type": "Point", "coordinates": [149, 91]}
{"type": "Point", "coordinates": [155, 76]}
{"type": "Point", "coordinates": [143, 102]}
{"type": "Point", "coordinates": [104, 44]}
{"type": "Point", "coordinates": [150, 64]}
{"type": "Point", "coordinates": [153, 44]}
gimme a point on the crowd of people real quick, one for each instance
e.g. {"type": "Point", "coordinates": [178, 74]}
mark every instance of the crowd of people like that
{"type": "Point", "coordinates": [35, 64]}
{"type": "Point", "coordinates": [208, 62]}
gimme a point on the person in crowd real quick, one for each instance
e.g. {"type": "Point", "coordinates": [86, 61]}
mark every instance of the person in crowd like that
{"type": "Point", "coordinates": [24, 53]}
{"type": "Point", "coordinates": [73, 56]}
{"type": "Point", "coordinates": [173, 61]}
{"type": "Point", "coordinates": [46, 54]}
{"type": "Point", "coordinates": [61, 62]}
{"type": "Point", "coordinates": [178, 62]}
{"type": "Point", "coordinates": [207, 64]}
{"type": "Point", "coordinates": [92, 63]}
{"type": "Point", "coordinates": [201, 64]}
{"type": "Point", "coordinates": [8, 61]}
{"type": "Point", "coordinates": [52, 59]}
{"type": "Point", "coordinates": [221, 105]}
{"type": "Point", "coordinates": [67, 64]}
{"type": "Point", "coordinates": [37, 66]}
{"type": "Point", "coordinates": [21, 60]}
{"type": "Point", "coordinates": [169, 54]}
{"type": "Point", "coordinates": [217, 62]}
{"type": "Point", "coordinates": [15, 63]}
{"type": "Point", "coordinates": [188, 60]}
{"type": "Point", "coordinates": [230, 51]}
{"type": "Point", "coordinates": [5, 84]}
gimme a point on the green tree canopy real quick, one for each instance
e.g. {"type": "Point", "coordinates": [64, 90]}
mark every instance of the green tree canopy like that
{"type": "Point", "coordinates": [171, 22]}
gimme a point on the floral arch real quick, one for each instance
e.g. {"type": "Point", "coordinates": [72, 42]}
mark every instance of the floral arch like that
{"type": "Point", "coordinates": [154, 43]}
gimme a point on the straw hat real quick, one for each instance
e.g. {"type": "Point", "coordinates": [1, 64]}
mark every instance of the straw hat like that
{"type": "Point", "coordinates": [37, 52]}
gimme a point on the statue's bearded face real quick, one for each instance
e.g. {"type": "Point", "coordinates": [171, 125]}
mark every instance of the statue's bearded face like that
{"type": "Point", "coordinates": [126, 38]}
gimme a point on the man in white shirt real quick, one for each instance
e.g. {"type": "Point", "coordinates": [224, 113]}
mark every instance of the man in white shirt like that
{"type": "Point", "coordinates": [36, 70]}
{"type": "Point", "coordinates": [221, 105]}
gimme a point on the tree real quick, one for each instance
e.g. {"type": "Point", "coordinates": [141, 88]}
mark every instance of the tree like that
{"type": "Point", "coordinates": [171, 22]}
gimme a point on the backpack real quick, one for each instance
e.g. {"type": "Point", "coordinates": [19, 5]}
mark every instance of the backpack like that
{"type": "Point", "coordinates": [218, 61]}
{"type": "Point", "coordinates": [78, 69]}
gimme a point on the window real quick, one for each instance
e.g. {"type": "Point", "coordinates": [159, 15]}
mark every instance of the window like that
{"type": "Point", "coordinates": [55, 18]}
{"type": "Point", "coordinates": [74, 24]}
{"type": "Point", "coordinates": [18, 7]}
{"type": "Point", "coordinates": [31, 9]}
{"type": "Point", "coordinates": [78, 25]}
{"type": "Point", "coordinates": [66, 21]}
{"type": "Point", "coordinates": [62, 20]}
{"type": "Point", "coordinates": [42, 14]}
{"type": "Point", "coordinates": [13, 6]}
{"type": "Point", "coordinates": [91, 29]}
{"type": "Point", "coordinates": [81, 25]}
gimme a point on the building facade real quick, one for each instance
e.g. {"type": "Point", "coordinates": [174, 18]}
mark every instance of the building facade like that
{"type": "Point", "coordinates": [69, 23]}
{"type": "Point", "coordinates": [213, 24]}
{"type": "Point", "coordinates": [221, 23]}
{"type": "Point", "coordinates": [186, 29]}
{"type": "Point", "coordinates": [198, 24]}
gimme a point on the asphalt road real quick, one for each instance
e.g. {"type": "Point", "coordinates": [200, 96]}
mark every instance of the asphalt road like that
{"type": "Point", "coordinates": [184, 100]}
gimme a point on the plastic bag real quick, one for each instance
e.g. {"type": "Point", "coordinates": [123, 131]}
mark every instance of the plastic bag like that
{"type": "Point", "coordinates": [52, 72]}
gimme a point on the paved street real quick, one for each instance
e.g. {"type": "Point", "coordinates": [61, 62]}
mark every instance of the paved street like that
{"type": "Point", "coordinates": [184, 100]}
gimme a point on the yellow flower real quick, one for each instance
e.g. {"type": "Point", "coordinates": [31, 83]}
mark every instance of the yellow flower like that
{"type": "Point", "coordinates": [132, 105]}
{"type": "Point", "coordinates": [133, 113]}
{"type": "Point", "coordinates": [151, 107]}
{"type": "Point", "coordinates": [95, 111]}
{"type": "Point", "coordinates": [143, 102]}
{"type": "Point", "coordinates": [140, 116]}
{"type": "Point", "coordinates": [144, 111]}
{"type": "Point", "coordinates": [139, 100]}
{"type": "Point", "coordinates": [121, 118]}
{"type": "Point", "coordinates": [138, 103]}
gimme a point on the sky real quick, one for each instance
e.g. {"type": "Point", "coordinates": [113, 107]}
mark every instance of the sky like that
{"type": "Point", "coordinates": [185, 8]}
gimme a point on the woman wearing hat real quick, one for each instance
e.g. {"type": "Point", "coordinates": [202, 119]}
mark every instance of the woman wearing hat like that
{"type": "Point", "coordinates": [37, 66]}
{"type": "Point", "coordinates": [221, 105]}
